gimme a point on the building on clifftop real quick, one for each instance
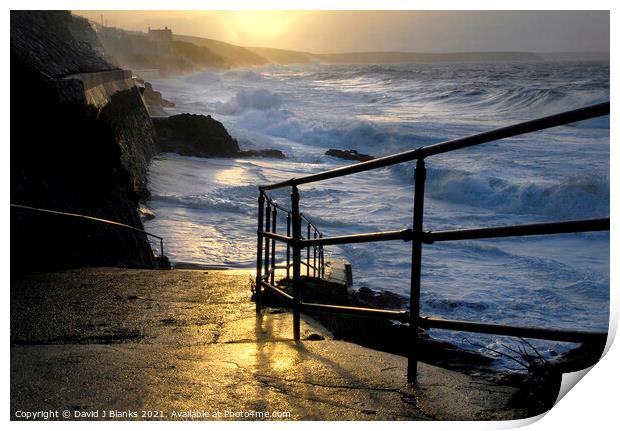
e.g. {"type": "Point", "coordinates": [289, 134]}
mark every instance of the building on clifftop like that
{"type": "Point", "coordinates": [161, 35]}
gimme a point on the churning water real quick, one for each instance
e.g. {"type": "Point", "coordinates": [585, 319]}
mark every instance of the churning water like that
{"type": "Point", "coordinates": [206, 208]}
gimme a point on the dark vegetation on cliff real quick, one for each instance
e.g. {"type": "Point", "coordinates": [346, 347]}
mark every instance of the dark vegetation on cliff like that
{"type": "Point", "coordinates": [70, 155]}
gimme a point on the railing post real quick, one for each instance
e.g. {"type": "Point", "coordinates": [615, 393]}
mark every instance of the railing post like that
{"type": "Point", "coordinates": [273, 245]}
{"type": "Point", "coordinates": [259, 248]}
{"type": "Point", "coordinates": [288, 247]}
{"type": "Point", "coordinates": [322, 258]}
{"type": "Point", "coordinates": [296, 261]}
{"type": "Point", "coordinates": [308, 254]}
{"type": "Point", "coordinates": [416, 268]}
{"type": "Point", "coordinates": [267, 240]}
{"type": "Point", "coordinates": [161, 245]}
{"type": "Point", "coordinates": [314, 256]}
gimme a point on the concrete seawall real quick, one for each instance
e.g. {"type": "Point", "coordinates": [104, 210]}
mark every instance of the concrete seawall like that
{"type": "Point", "coordinates": [99, 87]}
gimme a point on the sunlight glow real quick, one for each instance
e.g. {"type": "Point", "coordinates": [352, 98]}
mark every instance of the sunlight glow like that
{"type": "Point", "coordinates": [262, 25]}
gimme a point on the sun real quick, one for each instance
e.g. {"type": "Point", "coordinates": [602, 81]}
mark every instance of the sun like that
{"type": "Point", "coordinates": [262, 25]}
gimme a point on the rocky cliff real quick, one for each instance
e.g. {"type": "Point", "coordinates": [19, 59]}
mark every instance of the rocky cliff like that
{"type": "Point", "coordinates": [201, 136]}
{"type": "Point", "coordinates": [194, 135]}
{"type": "Point", "coordinates": [81, 140]}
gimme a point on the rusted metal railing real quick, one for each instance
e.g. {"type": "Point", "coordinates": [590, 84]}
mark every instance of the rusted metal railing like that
{"type": "Point", "coordinates": [295, 241]}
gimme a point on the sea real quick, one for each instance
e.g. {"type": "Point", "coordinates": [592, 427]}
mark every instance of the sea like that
{"type": "Point", "coordinates": [206, 207]}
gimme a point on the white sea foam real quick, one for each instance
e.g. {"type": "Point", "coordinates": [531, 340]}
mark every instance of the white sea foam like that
{"type": "Point", "coordinates": [206, 207]}
{"type": "Point", "coordinates": [261, 100]}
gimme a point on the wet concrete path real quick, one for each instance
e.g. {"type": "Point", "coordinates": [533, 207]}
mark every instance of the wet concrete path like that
{"type": "Point", "coordinates": [187, 344]}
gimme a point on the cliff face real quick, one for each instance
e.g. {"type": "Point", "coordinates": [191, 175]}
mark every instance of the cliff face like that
{"type": "Point", "coordinates": [81, 139]}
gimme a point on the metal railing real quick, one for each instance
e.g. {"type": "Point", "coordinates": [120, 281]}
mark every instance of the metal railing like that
{"type": "Point", "coordinates": [267, 260]}
{"type": "Point", "coordinates": [95, 219]}
{"type": "Point", "coordinates": [417, 236]}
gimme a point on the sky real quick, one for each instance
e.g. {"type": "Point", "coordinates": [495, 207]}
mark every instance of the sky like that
{"type": "Point", "coordinates": [412, 31]}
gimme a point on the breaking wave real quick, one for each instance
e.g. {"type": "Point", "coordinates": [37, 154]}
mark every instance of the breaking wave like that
{"type": "Point", "coordinates": [260, 100]}
{"type": "Point", "coordinates": [573, 197]}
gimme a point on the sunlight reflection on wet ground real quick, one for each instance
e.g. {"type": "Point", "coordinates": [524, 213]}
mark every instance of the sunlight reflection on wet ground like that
{"type": "Point", "coordinates": [182, 340]}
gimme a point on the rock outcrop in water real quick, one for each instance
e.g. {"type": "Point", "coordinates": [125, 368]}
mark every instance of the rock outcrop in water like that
{"type": "Point", "coordinates": [153, 100]}
{"type": "Point", "coordinates": [274, 154]}
{"type": "Point", "coordinates": [201, 136]}
{"type": "Point", "coordinates": [348, 155]}
{"type": "Point", "coordinates": [81, 140]}
{"type": "Point", "coordinates": [194, 135]}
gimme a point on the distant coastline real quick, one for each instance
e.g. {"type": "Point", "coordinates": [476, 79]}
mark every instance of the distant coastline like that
{"type": "Point", "coordinates": [285, 56]}
{"type": "Point", "coordinates": [173, 53]}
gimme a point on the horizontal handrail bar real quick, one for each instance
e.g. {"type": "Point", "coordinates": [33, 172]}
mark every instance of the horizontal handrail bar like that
{"type": "Point", "coordinates": [513, 331]}
{"type": "Point", "coordinates": [567, 117]}
{"type": "Point", "coordinates": [309, 265]}
{"type": "Point", "coordinates": [279, 292]}
{"type": "Point", "coordinates": [277, 236]}
{"type": "Point", "coordinates": [275, 204]}
{"type": "Point", "coordinates": [286, 239]}
{"type": "Point", "coordinates": [581, 114]}
{"type": "Point", "coordinates": [267, 274]}
{"type": "Point", "coordinates": [402, 316]}
{"type": "Point", "coordinates": [272, 202]}
{"type": "Point", "coordinates": [571, 226]}
{"type": "Point", "coordinates": [101, 220]}
{"type": "Point", "coordinates": [392, 235]}
{"type": "Point", "coordinates": [303, 216]}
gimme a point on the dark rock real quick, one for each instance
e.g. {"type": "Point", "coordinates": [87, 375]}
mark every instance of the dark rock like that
{"type": "Point", "coordinates": [194, 135]}
{"type": "Point", "coordinates": [275, 154]}
{"type": "Point", "coordinates": [381, 299]}
{"type": "Point", "coordinates": [201, 136]}
{"type": "Point", "coordinates": [152, 97]}
{"type": "Point", "coordinates": [277, 311]}
{"type": "Point", "coordinates": [154, 100]}
{"type": "Point", "coordinates": [162, 262]}
{"type": "Point", "coordinates": [146, 213]}
{"type": "Point", "coordinates": [348, 155]}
